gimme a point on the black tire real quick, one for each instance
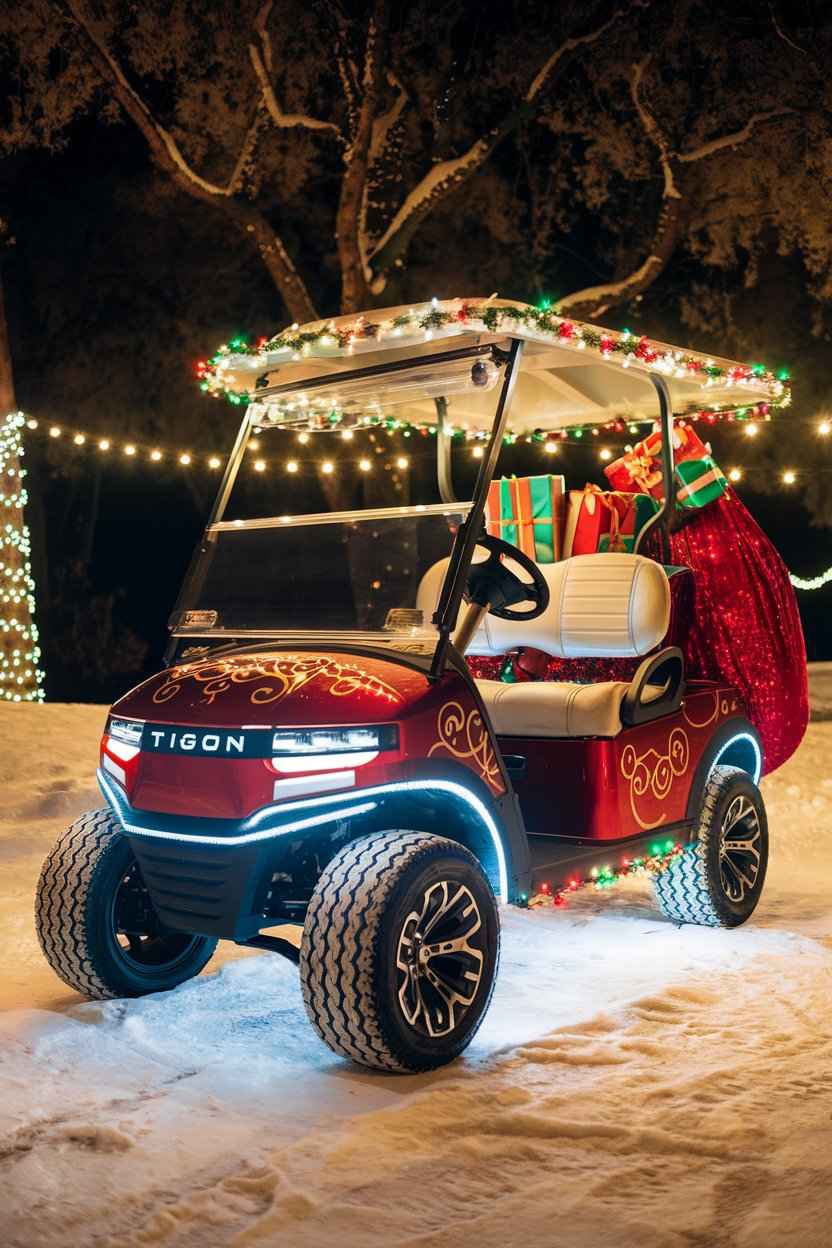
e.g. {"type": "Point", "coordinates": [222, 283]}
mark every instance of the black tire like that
{"type": "Point", "coordinates": [710, 883]}
{"type": "Point", "coordinates": [88, 880]}
{"type": "Point", "coordinates": [374, 989]}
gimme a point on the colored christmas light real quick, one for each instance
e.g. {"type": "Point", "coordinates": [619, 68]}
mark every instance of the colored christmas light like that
{"type": "Point", "coordinates": [658, 858]}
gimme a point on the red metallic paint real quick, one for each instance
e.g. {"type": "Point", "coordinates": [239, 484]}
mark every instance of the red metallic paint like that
{"type": "Point", "coordinates": [289, 690]}
{"type": "Point", "coordinates": [605, 789]}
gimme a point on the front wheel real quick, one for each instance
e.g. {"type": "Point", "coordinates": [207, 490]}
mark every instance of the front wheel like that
{"type": "Point", "coordinates": [718, 879]}
{"type": "Point", "coordinates": [95, 921]}
{"type": "Point", "coordinates": [400, 951]}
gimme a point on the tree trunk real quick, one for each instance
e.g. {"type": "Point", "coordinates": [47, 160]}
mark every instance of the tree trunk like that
{"type": "Point", "coordinates": [19, 653]}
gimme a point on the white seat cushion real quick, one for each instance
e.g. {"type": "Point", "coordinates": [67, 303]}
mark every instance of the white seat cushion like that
{"type": "Point", "coordinates": [554, 708]}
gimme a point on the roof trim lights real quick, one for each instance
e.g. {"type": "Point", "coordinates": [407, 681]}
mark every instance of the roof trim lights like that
{"type": "Point", "coordinates": [758, 754]}
{"type": "Point", "coordinates": [250, 832]}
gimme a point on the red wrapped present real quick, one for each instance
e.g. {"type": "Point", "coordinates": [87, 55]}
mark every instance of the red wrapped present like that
{"type": "Point", "coordinates": [641, 468]}
{"type": "Point", "coordinates": [599, 520]}
{"type": "Point", "coordinates": [529, 513]}
{"type": "Point", "coordinates": [634, 510]}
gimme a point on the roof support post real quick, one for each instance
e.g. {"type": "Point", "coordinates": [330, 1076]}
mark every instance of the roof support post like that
{"type": "Point", "coordinates": [664, 515]}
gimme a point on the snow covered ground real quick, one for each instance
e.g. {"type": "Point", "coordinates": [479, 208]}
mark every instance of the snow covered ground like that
{"type": "Point", "coordinates": [634, 1083]}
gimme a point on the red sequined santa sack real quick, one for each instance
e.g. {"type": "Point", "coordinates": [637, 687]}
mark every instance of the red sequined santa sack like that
{"type": "Point", "coordinates": [745, 627]}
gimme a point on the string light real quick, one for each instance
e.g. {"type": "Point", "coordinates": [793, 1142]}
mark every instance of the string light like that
{"type": "Point", "coordinates": [658, 858]}
{"type": "Point", "coordinates": [824, 428]}
{"type": "Point", "coordinates": [21, 677]}
{"type": "Point", "coordinates": [550, 447]}
{"type": "Point", "coordinates": [54, 432]}
{"type": "Point", "coordinates": [79, 439]}
{"type": "Point", "coordinates": [104, 444]}
{"type": "Point", "coordinates": [129, 449]}
{"type": "Point", "coordinates": [789, 477]}
{"type": "Point", "coordinates": [365, 465]}
{"type": "Point", "coordinates": [292, 466]}
{"type": "Point", "coordinates": [156, 455]}
{"type": "Point", "coordinates": [751, 429]}
{"type": "Point", "coordinates": [605, 453]}
{"type": "Point", "coordinates": [259, 465]}
{"type": "Point", "coordinates": [735, 474]}
{"type": "Point", "coordinates": [328, 467]}
{"type": "Point", "coordinates": [214, 462]}
{"type": "Point", "coordinates": [184, 459]}
{"type": "Point", "coordinates": [812, 582]}
{"type": "Point", "coordinates": [477, 452]}
{"type": "Point", "coordinates": [402, 461]}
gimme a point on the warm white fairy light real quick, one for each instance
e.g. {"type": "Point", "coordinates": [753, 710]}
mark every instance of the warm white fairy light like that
{"type": "Point", "coordinates": [303, 438]}
{"type": "Point", "coordinates": [735, 474]}
{"type": "Point", "coordinates": [789, 477]}
{"type": "Point", "coordinates": [751, 429]}
{"type": "Point", "coordinates": [130, 449]}
{"type": "Point", "coordinates": [550, 447]}
{"type": "Point", "coordinates": [55, 431]}
{"type": "Point", "coordinates": [402, 462]}
{"type": "Point", "coordinates": [104, 444]}
{"type": "Point", "coordinates": [824, 428]}
{"type": "Point", "coordinates": [79, 439]}
{"type": "Point", "coordinates": [292, 466]}
{"type": "Point", "coordinates": [365, 465]}
{"type": "Point", "coordinates": [605, 453]}
{"type": "Point", "coordinates": [812, 582]}
{"type": "Point", "coordinates": [477, 452]}
{"type": "Point", "coordinates": [327, 467]}
{"type": "Point", "coordinates": [156, 455]}
{"type": "Point", "coordinates": [215, 462]}
{"type": "Point", "coordinates": [184, 459]}
{"type": "Point", "coordinates": [21, 678]}
{"type": "Point", "coordinates": [259, 465]}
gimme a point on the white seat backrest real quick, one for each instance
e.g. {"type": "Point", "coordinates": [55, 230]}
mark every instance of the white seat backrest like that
{"type": "Point", "coordinates": [611, 605]}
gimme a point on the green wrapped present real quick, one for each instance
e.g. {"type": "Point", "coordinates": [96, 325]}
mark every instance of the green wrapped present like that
{"type": "Point", "coordinates": [699, 482]}
{"type": "Point", "coordinates": [529, 513]}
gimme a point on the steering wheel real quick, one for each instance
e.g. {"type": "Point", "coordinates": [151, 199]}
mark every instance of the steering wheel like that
{"type": "Point", "coordinates": [494, 586]}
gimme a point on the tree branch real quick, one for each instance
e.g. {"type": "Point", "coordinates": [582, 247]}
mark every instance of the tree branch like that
{"type": "Point", "coordinates": [447, 176]}
{"type": "Point", "coordinates": [595, 300]}
{"type": "Point", "coordinates": [733, 140]}
{"type": "Point", "coordinates": [262, 66]}
{"type": "Point", "coordinates": [353, 184]}
{"type": "Point", "coordinates": [167, 156]}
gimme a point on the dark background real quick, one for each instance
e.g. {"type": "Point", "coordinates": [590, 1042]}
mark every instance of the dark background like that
{"type": "Point", "coordinates": [117, 283]}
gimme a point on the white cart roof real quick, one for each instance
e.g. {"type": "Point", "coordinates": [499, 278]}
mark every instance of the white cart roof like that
{"type": "Point", "coordinates": [573, 374]}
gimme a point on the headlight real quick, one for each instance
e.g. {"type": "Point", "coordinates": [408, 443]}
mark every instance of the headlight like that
{"type": "Point", "coordinates": [129, 731]}
{"type": "Point", "coordinates": [334, 740]}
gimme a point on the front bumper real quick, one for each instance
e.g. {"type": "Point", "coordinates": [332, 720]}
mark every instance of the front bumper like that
{"type": "Point", "coordinates": [213, 877]}
{"type": "Point", "coordinates": [226, 878]}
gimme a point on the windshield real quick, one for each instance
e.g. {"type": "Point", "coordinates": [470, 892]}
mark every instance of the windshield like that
{"type": "Point", "coordinates": [361, 575]}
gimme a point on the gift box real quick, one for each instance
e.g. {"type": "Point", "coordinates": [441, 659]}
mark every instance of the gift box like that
{"type": "Point", "coordinates": [634, 511]}
{"type": "Point", "coordinates": [529, 513]}
{"type": "Point", "coordinates": [604, 520]}
{"type": "Point", "coordinates": [698, 478]}
{"type": "Point", "coordinates": [699, 481]}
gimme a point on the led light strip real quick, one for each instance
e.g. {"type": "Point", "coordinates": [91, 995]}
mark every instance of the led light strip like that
{"type": "Point", "coordinates": [743, 736]}
{"type": "Point", "coordinates": [401, 786]}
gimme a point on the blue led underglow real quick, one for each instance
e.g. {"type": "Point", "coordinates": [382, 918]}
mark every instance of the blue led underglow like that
{"type": "Point", "coordinates": [278, 811]}
{"type": "Point", "coordinates": [743, 736]}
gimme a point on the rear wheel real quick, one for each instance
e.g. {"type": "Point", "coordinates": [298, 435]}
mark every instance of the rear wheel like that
{"type": "Point", "coordinates": [400, 951]}
{"type": "Point", "coordinates": [718, 879]}
{"type": "Point", "coordinates": [96, 923]}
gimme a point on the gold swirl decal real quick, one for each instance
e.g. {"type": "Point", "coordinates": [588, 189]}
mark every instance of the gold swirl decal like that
{"type": "Point", "coordinates": [721, 706]}
{"type": "Point", "coordinates": [464, 735]}
{"type": "Point", "coordinates": [278, 677]}
{"type": "Point", "coordinates": [654, 773]}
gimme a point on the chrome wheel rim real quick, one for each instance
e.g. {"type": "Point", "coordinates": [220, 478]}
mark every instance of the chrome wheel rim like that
{"type": "Point", "coordinates": [440, 958]}
{"type": "Point", "coordinates": [142, 941]}
{"type": "Point", "coordinates": [739, 849]}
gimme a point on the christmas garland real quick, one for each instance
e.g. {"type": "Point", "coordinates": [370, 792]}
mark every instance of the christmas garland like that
{"type": "Point", "coordinates": [297, 342]}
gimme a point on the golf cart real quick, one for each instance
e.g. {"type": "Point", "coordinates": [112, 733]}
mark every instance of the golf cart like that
{"type": "Point", "coordinates": [317, 772]}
